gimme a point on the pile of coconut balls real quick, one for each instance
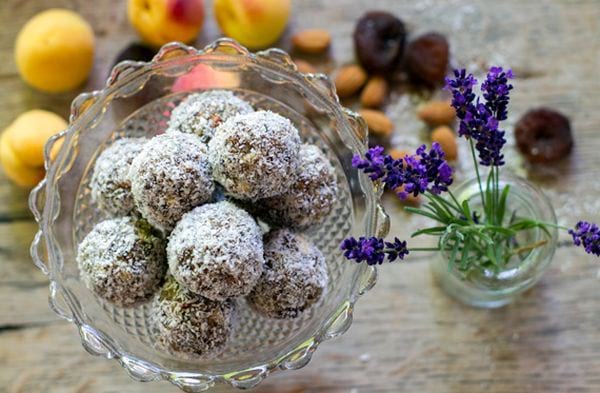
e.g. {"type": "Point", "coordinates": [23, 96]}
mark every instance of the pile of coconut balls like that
{"type": "Point", "coordinates": [185, 233]}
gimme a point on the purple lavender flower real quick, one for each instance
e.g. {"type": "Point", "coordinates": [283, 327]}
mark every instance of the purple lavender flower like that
{"type": "Point", "coordinates": [396, 249]}
{"type": "Point", "coordinates": [480, 121]}
{"type": "Point", "coordinates": [462, 94]}
{"type": "Point", "coordinates": [413, 176]}
{"type": "Point", "coordinates": [437, 170]}
{"type": "Point", "coordinates": [370, 250]}
{"type": "Point", "coordinates": [424, 171]}
{"type": "Point", "coordinates": [495, 91]}
{"type": "Point", "coordinates": [490, 139]}
{"type": "Point", "coordinates": [588, 235]}
{"type": "Point", "coordinates": [373, 250]}
{"type": "Point", "coordinates": [373, 164]}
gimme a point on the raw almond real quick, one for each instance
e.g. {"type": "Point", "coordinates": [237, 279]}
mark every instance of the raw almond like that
{"type": "Point", "coordinates": [436, 113]}
{"type": "Point", "coordinates": [305, 67]}
{"type": "Point", "coordinates": [397, 153]}
{"type": "Point", "coordinates": [379, 124]}
{"type": "Point", "coordinates": [349, 80]}
{"type": "Point", "coordinates": [373, 95]}
{"type": "Point", "coordinates": [447, 140]}
{"type": "Point", "coordinates": [313, 41]}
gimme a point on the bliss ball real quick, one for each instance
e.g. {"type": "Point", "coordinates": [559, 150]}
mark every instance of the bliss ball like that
{"type": "Point", "coordinates": [190, 325]}
{"type": "Point", "coordinates": [310, 199]}
{"type": "Point", "coordinates": [111, 188]}
{"type": "Point", "coordinates": [216, 251]}
{"type": "Point", "coordinates": [255, 155]}
{"type": "Point", "coordinates": [169, 177]}
{"type": "Point", "coordinates": [122, 260]}
{"type": "Point", "coordinates": [202, 113]}
{"type": "Point", "coordinates": [54, 51]}
{"type": "Point", "coordinates": [294, 276]}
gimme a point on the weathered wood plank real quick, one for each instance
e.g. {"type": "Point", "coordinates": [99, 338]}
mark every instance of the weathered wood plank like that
{"type": "Point", "coordinates": [407, 335]}
{"type": "Point", "coordinates": [16, 266]}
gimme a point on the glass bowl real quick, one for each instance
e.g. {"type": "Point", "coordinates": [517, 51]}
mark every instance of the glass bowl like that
{"type": "Point", "coordinates": [137, 101]}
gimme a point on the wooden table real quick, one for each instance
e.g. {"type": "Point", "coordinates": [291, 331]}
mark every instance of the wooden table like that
{"type": "Point", "coordinates": [407, 335]}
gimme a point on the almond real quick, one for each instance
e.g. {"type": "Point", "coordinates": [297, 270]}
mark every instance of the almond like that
{"type": "Point", "coordinates": [447, 140]}
{"type": "Point", "coordinates": [379, 124]}
{"type": "Point", "coordinates": [397, 153]}
{"type": "Point", "coordinates": [349, 80]}
{"type": "Point", "coordinates": [373, 95]}
{"type": "Point", "coordinates": [305, 67]}
{"type": "Point", "coordinates": [313, 41]}
{"type": "Point", "coordinates": [436, 113]}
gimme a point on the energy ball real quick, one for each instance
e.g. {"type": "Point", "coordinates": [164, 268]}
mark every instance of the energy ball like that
{"type": "Point", "coordinates": [310, 198]}
{"type": "Point", "coordinates": [255, 155]}
{"type": "Point", "coordinates": [216, 251]}
{"type": "Point", "coordinates": [111, 188]}
{"type": "Point", "coordinates": [202, 113]}
{"type": "Point", "coordinates": [294, 276]}
{"type": "Point", "coordinates": [122, 260]}
{"type": "Point", "coordinates": [169, 177]}
{"type": "Point", "coordinates": [191, 325]}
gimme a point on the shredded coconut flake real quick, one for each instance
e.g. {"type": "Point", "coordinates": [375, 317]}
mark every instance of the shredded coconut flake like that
{"type": "Point", "coordinates": [169, 177]}
{"type": "Point", "coordinates": [122, 261]}
{"type": "Point", "coordinates": [202, 113]}
{"type": "Point", "coordinates": [111, 188]}
{"type": "Point", "coordinates": [312, 196]}
{"type": "Point", "coordinates": [294, 277]}
{"type": "Point", "coordinates": [191, 326]}
{"type": "Point", "coordinates": [255, 155]}
{"type": "Point", "coordinates": [216, 251]}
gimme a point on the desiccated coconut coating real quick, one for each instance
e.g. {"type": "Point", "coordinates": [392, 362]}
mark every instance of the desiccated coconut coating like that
{"type": "Point", "coordinates": [310, 198]}
{"type": "Point", "coordinates": [111, 188]}
{"type": "Point", "coordinates": [255, 155]}
{"type": "Point", "coordinates": [122, 260]}
{"type": "Point", "coordinates": [294, 276]}
{"type": "Point", "coordinates": [216, 251]}
{"type": "Point", "coordinates": [202, 113]}
{"type": "Point", "coordinates": [190, 325]}
{"type": "Point", "coordinates": [169, 177]}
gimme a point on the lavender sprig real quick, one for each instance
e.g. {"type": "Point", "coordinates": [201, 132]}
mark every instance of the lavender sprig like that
{"type": "Point", "coordinates": [418, 173]}
{"type": "Point", "coordinates": [496, 91]}
{"type": "Point", "coordinates": [474, 239]}
{"type": "Point", "coordinates": [480, 121]}
{"type": "Point", "coordinates": [587, 235]}
{"type": "Point", "coordinates": [373, 250]}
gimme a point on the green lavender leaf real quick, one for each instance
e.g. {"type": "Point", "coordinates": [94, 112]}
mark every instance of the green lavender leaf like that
{"type": "Point", "coordinates": [502, 206]}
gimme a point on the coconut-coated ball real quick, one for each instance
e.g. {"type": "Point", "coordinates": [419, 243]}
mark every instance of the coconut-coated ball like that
{"type": "Point", "coordinates": [111, 188]}
{"type": "Point", "coordinates": [189, 325]}
{"type": "Point", "coordinates": [202, 113]}
{"type": "Point", "coordinates": [311, 197]}
{"type": "Point", "coordinates": [255, 155]}
{"type": "Point", "coordinates": [169, 177]}
{"type": "Point", "coordinates": [294, 276]}
{"type": "Point", "coordinates": [216, 251]}
{"type": "Point", "coordinates": [122, 260]}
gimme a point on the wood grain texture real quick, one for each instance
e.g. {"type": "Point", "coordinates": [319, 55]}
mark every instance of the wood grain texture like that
{"type": "Point", "coordinates": [407, 335]}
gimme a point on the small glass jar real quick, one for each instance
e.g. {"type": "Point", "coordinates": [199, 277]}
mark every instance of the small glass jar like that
{"type": "Point", "coordinates": [488, 288]}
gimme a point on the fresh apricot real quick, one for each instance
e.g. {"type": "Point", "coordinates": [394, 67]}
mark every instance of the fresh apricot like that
{"type": "Point", "coordinates": [161, 21]}
{"type": "Point", "coordinates": [54, 51]}
{"type": "Point", "coordinates": [255, 24]}
{"type": "Point", "coordinates": [22, 145]}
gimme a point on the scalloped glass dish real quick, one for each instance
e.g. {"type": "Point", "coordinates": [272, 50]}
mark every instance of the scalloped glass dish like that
{"type": "Point", "coordinates": [137, 101]}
